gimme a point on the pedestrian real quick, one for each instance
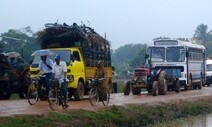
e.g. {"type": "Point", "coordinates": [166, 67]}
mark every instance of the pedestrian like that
{"type": "Point", "coordinates": [45, 66]}
{"type": "Point", "coordinates": [59, 71]}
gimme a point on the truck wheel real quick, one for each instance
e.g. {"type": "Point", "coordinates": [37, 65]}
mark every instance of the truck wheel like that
{"type": "Point", "coordinates": [155, 88]}
{"type": "Point", "coordinates": [126, 87]}
{"type": "Point", "coordinates": [6, 94]}
{"type": "Point", "coordinates": [79, 92]}
{"type": "Point", "coordinates": [136, 90]}
{"type": "Point", "coordinates": [177, 86]}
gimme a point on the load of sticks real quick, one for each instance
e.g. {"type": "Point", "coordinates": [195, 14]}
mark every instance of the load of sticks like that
{"type": "Point", "coordinates": [93, 46]}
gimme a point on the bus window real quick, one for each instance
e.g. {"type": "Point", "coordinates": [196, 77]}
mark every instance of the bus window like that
{"type": "Point", "coordinates": [175, 54]}
{"type": "Point", "coordinates": [157, 54]}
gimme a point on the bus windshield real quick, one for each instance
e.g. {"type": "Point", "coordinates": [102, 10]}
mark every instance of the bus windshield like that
{"type": "Point", "coordinates": [65, 55]}
{"type": "Point", "coordinates": [175, 54]}
{"type": "Point", "coordinates": [157, 53]}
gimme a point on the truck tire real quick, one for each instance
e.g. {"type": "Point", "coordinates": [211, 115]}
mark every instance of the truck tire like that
{"type": "Point", "coordinates": [155, 88]}
{"type": "Point", "coordinates": [79, 92]}
{"type": "Point", "coordinates": [5, 94]}
{"type": "Point", "coordinates": [126, 87]}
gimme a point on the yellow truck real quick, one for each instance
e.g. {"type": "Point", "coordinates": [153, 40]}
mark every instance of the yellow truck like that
{"type": "Point", "coordinates": [80, 47]}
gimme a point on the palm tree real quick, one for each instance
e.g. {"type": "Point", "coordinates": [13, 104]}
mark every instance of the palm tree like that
{"type": "Point", "coordinates": [201, 33]}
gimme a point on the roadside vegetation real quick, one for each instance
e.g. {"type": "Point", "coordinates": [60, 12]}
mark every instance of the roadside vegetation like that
{"type": "Point", "coordinates": [115, 116]}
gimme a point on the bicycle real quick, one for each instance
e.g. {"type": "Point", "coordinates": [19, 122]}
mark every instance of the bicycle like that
{"type": "Point", "coordinates": [94, 96]}
{"type": "Point", "coordinates": [55, 97]}
{"type": "Point", "coordinates": [32, 93]}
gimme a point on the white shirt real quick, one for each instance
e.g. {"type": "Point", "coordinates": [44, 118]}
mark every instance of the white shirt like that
{"type": "Point", "coordinates": [59, 70]}
{"type": "Point", "coordinates": [43, 67]}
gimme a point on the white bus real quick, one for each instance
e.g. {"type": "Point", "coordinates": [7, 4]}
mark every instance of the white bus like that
{"type": "Point", "coordinates": [208, 72]}
{"type": "Point", "coordinates": [183, 62]}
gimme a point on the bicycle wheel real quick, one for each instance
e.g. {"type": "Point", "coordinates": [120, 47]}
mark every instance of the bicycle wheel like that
{"type": "Point", "coordinates": [53, 99]}
{"type": "Point", "coordinates": [106, 99]}
{"type": "Point", "coordinates": [32, 93]}
{"type": "Point", "coordinates": [93, 96]}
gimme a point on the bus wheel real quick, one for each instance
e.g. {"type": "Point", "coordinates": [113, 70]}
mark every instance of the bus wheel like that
{"type": "Point", "coordinates": [79, 92]}
{"type": "Point", "coordinates": [126, 87]}
{"type": "Point", "coordinates": [155, 88]}
{"type": "Point", "coordinates": [185, 87]}
{"type": "Point", "coordinates": [177, 86]}
{"type": "Point", "coordinates": [200, 84]}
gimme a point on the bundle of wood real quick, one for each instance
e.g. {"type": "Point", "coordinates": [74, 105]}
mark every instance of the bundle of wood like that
{"type": "Point", "coordinates": [93, 46]}
{"type": "Point", "coordinates": [62, 35]}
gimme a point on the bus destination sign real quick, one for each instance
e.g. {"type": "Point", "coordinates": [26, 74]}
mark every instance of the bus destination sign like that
{"type": "Point", "coordinates": [166, 43]}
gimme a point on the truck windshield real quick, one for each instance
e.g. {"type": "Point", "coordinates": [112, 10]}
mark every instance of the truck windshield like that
{"type": "Point", "coordinates": [65, 55]}
{"type": "Point", "coordinates": [157, 53]}
{"type": "Point", "coordinates": [175, 54]}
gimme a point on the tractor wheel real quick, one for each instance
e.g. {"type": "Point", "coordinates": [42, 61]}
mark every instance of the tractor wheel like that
{"type": "Point", "coordinates": [79, 92]}
{"type": "Point", "coordinates": [136, 90]}
{"type": "Point", "coordinates": [155, 88]}
{"type": "Point", "coordinates": [177, 86]}
{"type": "Point", "coordinates": [163, 88]}
{"type": "Point", "coordinates": [126, 87]}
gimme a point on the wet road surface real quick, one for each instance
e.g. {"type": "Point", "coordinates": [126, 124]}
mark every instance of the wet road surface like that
{"type": "Point", "coordinates": [22, 107]}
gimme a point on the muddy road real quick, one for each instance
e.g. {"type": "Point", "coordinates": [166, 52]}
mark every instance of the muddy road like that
{"type": "Point", "coordinates": [22, 107]}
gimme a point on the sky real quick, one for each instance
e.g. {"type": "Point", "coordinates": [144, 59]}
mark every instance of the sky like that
{"type": "Point", "coordinates": [123, 21]}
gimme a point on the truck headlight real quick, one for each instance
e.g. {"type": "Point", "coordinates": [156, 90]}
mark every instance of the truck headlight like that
{"type": "Point", "coordinates": [70, 78]}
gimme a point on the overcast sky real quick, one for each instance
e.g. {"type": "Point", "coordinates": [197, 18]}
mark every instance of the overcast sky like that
{"type": "Point", "coordinates": [124, 21]}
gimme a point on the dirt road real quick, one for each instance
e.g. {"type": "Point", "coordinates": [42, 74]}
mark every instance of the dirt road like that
{"type": "Point", "coordinates": [22, 107]}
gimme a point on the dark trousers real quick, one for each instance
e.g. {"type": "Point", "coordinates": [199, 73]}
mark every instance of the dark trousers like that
{"type": "Point", "coordinates": [45, 82]}
{"type": "Point", "coordinates": [64, 89]}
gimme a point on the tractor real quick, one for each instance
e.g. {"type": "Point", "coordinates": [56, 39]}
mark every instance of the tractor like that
{"type": "Point", "coordinates": [142, 79]}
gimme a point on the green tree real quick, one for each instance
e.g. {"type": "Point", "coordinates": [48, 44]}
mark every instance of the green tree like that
{"type": "Point", "coordinates": [21, 41]}
{"type": "Point", "coordinates": [201, 34]}
{"type": "Point", "coordinates": [128, 57]}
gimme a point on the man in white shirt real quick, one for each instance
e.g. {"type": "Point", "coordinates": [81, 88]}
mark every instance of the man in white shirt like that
{"type": "Point", "coordinates": [59, 71]}
{"type": "Point", "coordinates": [46, 67]}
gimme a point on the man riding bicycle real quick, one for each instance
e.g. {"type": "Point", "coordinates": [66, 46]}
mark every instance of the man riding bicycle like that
{"type": "Point", "coordinates": [59, 71]}
{"type": "Point", "coordinates": [46, 67]}
{"type": "Point", "coordinates": [103, 85]}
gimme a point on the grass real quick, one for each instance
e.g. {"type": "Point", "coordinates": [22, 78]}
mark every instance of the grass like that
{"type": "Point", "coordinates": [115, 116]}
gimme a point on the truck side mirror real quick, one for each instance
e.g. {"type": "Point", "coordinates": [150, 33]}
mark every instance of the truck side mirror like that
{"type": "Point", "coordinates": [146, 56]}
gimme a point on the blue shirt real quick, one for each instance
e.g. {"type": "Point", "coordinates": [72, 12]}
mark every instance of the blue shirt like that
{"type": "Point", "coordinates": [43, 66]}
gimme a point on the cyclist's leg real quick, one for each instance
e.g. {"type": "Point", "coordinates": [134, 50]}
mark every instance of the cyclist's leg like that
{"type": "Point", "coordinates": [64, 89]}
{"type": "Point", "coordinates": [40, 82]}
{"type": "Point", "coordinates": [105, 87]}
{"type": "Point", "coordinates": [64, 92]}
{"type": "Point", "coordinates": [48, 77]}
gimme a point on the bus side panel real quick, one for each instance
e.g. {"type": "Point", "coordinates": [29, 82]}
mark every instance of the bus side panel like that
{"type": "Point", "coordinates": [195, 69]}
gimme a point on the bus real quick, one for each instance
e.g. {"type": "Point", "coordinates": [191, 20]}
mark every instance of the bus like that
{"type": "Point", "coordinates": [208, 72]}
{"type": "Point", "coordinates": [183, 63]}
